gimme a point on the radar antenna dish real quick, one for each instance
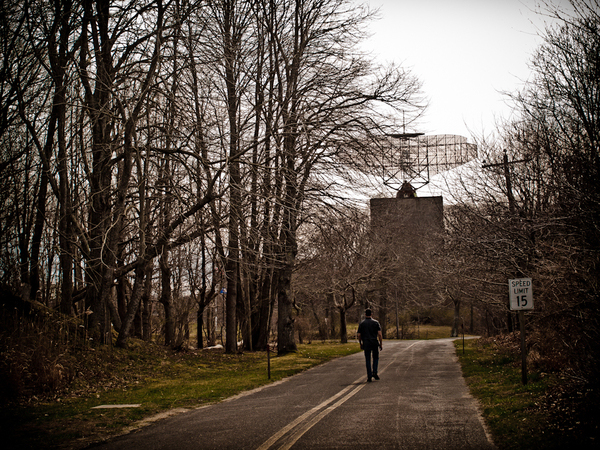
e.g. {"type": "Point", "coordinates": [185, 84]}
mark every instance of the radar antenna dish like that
{"type": "Point", "coordinates": [415, 158]}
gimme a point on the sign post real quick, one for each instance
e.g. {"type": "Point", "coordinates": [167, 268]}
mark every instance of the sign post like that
{"type": "Point", "coordinates": [521, 298]}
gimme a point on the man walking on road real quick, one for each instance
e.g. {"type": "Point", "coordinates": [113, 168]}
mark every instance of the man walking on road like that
{"type": "Point", "coordinates": [370, 339]}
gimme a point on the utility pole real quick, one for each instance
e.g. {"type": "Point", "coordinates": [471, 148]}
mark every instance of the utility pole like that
{"type": "Point", "coordinates": [505, 163]}
{"type": "Point", "coordinates": [511, 205]}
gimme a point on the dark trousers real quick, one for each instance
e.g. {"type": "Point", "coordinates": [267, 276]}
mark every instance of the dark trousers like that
{"type": "Point", "coordinates": [371, 370]}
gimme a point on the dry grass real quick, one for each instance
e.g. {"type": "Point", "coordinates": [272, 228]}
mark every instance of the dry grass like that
{"type": "Point", "coordinates": [550, 412]}
{"type": "Point", "coordinates": [158, 379]}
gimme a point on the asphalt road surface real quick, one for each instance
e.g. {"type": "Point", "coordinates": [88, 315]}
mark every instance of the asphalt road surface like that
{"type": "Point", "coordinates": [421, 402]}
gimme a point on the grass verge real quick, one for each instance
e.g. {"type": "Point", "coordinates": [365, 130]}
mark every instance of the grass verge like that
{"type": "Point", "coordinates": [549, 412]}
{"type": "Point", "coordinates": [159, 380]}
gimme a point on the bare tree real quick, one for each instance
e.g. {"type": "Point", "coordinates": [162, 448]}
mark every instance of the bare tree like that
{"type": "Point", "coordinates": [533, 209]}
{"type": "Point", "coordinates": [323, 94]}
{"type": "Point", "coordinates": [219, 126]}
{"type": "Point", "coordinates": [334, 264]}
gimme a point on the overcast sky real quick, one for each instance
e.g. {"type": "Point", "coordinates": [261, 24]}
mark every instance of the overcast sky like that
{"type": "Point", "coordinates": [465, 52]}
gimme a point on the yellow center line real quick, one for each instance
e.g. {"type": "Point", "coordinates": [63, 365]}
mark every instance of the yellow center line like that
{"type": "Point", "coordinates": [313, 416]}
{"type": "Point", "coordinates": [267, 444]}
{"type": "Point", "coordinates": [312, 422]}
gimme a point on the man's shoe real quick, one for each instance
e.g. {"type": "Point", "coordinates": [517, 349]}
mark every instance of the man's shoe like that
{"type": "Point", "coordinates": [368, 380]}
{"type": "Point", "coordinates": [376, 376]}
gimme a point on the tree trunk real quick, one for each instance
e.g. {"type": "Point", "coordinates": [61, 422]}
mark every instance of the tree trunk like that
{"type": "Point", "coordinates": [246, 304]}
{"type": "Point", "coordinates": [330, 314]}
{"type": "Point", "coordinates": [166, 298]}
{"type": "Point", "coordinates": [138, 322]}
{"type": "Point", "coordinates": [343, 326]}
{"type": "Point", "coordinates": [36, 240]}
{"type": "Point", "coordinates": [265, 308]}
{"type": "Point", "coordinates": [322, 325]}
{"type": "Point", "coordinates": [383, 319]}
{"type": "Point", "coordinates": [98, 271]}
{"type": "Point", "coordinates": [58, 62]}
{"type": "Point", "coordinates": [133, 307]}
{"type": "Point", "coordinates": [456, 323]}
{"type": "Point", "coordinates": [147, 304]}
{"type": "Point", "coordinates": [200, 326]}
{"type": "Point", "coordinates": [98, 324]}
{"type": "Point", "coordinates": [211, 326]}
{"type": "Point", "coordinates": [231, 42]}
{"type": "Point", "coordinates": [286, 342]}
{"type": "Point", "coordinates": [231, 305]}
{"type": "Point", "coordinates": [121, 297]}
{"type": "Point", "coordinates": [471, 324]}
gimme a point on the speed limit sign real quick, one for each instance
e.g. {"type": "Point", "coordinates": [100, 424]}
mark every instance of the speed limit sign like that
{"type": "Point", "coordinates": [520, 294]}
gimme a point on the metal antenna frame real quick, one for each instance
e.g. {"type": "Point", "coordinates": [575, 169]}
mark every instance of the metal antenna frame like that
{"type": "Point", "coordinates": [415, 158]}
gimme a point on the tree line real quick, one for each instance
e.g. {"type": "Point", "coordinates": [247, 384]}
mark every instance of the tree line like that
{"type": "Point", "coordinates": [174, 151]}
{"type": "Point", "coordinates": [531, 207]}
{"type": "Point", "coordinates": [174, 148]}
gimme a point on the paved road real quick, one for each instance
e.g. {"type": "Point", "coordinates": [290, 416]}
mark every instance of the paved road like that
{"type": "Point", "coordinates": [421, 402]}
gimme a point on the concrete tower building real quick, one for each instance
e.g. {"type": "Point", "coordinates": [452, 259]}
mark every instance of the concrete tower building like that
{"type": "Point", "coordinates": [407, 233]}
